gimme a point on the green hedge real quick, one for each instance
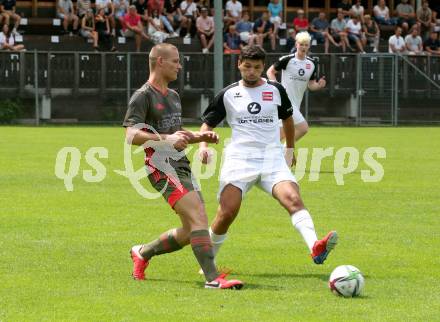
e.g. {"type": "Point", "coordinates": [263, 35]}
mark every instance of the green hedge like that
{"type": "Point", "coordinates": [10, 110]}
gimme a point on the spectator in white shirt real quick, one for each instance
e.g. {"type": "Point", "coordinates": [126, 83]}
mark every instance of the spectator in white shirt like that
{"type": "Point", "coordinates": [7, 41]}
{"type": "Point", "coordinates": [189, 11]}
{"type": "Point", "coordinates": [354, 31]}
{"type": "Point", "coordinates": [396, 43]}
{"type": "Point", "coordinates": [413, 42]}
{"type": "Point", "coordinates": [382, 14]}
{"type": "Point", "coordinates": [358, 10]}
{"type": "Point", "coordinates": [233, 12]}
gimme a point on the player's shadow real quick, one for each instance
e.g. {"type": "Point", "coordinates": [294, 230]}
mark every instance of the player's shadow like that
{"type": "Point", "coordinates": [323, 277]}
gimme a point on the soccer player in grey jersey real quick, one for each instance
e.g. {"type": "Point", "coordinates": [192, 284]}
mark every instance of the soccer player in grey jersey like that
{"type": "Point", "coordinates": [298, 74]}
{"type": "Point", "coordinates": [254, 156]}
{"type": "Point", "coordinates": [153, 120]}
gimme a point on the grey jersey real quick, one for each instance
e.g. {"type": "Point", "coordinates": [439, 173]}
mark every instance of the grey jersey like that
{"type": "Point", "coordinates": [160, 111]}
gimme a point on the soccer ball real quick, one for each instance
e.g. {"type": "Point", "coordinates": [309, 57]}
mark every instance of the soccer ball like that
{"type": "Point", "coordinates": [346, 280]}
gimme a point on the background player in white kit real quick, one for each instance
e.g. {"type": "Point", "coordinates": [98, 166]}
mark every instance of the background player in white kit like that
{"type": "Point", "coordinates": [298, 74]}
{"type": "Point", "coordinates": [255, 155]}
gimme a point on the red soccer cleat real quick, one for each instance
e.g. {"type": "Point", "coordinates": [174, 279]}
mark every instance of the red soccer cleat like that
{"type": "Point", "coordinates": [221, 283]}
{"type": "Point", "coordinates": [139, 265]}
{"type": "Point", "coordinates": [322, 247]}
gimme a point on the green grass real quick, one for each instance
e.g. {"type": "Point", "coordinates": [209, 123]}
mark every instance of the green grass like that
{"type": "Point", "coordinates": [64, 255]}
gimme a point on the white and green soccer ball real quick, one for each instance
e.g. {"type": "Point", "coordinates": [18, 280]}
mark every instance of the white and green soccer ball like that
{"type": "Point", "coordinates": [347, 281]}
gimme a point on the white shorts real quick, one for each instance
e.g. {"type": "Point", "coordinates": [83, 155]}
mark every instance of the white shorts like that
{"type": "Point", "coordinates": [275, 19]}
{"type": "Point", "coordinates": [298, 118]}
{"type": "Point", "coordinates": [244, 173]}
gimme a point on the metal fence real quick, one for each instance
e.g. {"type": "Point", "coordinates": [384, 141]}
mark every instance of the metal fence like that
{"type": "Point", "coordinates": [361, 89]}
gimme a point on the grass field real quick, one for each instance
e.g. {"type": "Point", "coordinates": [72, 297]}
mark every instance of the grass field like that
{"type": "Point", "coordinates": [64, 255]}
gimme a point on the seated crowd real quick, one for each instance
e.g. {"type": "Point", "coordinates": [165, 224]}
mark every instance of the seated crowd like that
{"type": "Point", "coordinates": [415, 31]}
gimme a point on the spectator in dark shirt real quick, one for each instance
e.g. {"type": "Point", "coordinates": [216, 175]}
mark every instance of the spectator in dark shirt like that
{"type": "Point", "coordinates": [232, 42]}
{"type": "Point", "coordinates": [432, 44]}
{"type": "Point", "coordinates": [7, 10]}
{"type": "Point", "coordinates": [346, 7]}
{"type": "Point", "coordinates": [142, 10]}
{"type": "Point", "coordinates": [319, 31]}
{"type": "Point", "coordinates": [263, 29]}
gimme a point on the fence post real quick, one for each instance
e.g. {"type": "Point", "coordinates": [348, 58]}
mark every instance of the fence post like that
{"type": "Point", "coordinates": [103, 75]}
{"type": "Point", "coordinates": [128, 77]}
{"type": "Point", "coordinates": [359, 89]}
{"type": "Point", "coordinates": [22, 74]}
{"type": "Point", "coordinates": [75, 73]}
{"type": "Point", "coordinates": [37, 108]}
{"type": "Point", "coordinates": [395, 106]}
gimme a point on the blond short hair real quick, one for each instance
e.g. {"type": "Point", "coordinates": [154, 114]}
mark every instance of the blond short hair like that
{"type": "Point", "coordinates": [303, 37]}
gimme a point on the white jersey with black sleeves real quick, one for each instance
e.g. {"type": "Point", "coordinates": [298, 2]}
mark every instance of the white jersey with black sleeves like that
{"type": "Point", "coordinates": [252, 113]}
{"type": "Point", "coordinates": [295, 76]}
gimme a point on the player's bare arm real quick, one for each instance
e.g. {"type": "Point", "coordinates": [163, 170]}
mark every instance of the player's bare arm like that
{"type": "Point", "coordinates": [271, 73]}
{"type": "Point", "coordinates": [201, 136]}
{"type": "Point", "coordinates": [203, 146]}
{"type": "Point", "coordinates": [314, 85]}
{"type": "Point", "coordinates": [178, 139]}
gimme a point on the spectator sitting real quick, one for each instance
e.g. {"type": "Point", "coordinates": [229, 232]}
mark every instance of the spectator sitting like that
{"type": "Point", "coordinates": [88, 28]}
{"type": "Point", "coordinates": [424, 19]}
{"type": "Point", "coordinates": [174, 15]}
{"type": "Point", "coordinates": [156, 29]}
{"type": "Point", "coordinates": [233, 12]}
{"type": "Point", "coordinates": [189, 11]}
{"type": "Point", "coordinates": [7, 10]}
{"type": "Point", "coordinates": [244, 28]}
{"type": "Point", "coordinates": [319, 31]}
{"type": "Point", "coordinates": [436, 17]}
{"type": "Point", "coordinates": [232, 42]}
{"type": "Point", "coordinates": [290, 42]}
{"type": "Point", "coordinates": [358, 10]}
{"type": "Point", "coordinates": [396, 43]}
{"type": "Point", "coordinates": [121, 8]}
{"type": "Point", "coordinates": [345, 7]}
{"type": "Point", "coordinates": [205, 29]}
{"type": "Point", "coordinates": [7, 41]}
{"type": "Point", "coordinates": [405, 15]}
{"type": "Point", "coordinates": [432, 44]}
{"type": "Point", "coordinates": [109, 11]}
{"type": "Point", "coordinates": [159, 6]}
{"type": "Point", "coordinates": [275, 9]}
{"type": "Point", "coordinates": [372, 32]}
{"type": "Point", "coordinates": [102, 27]}
{"type": "Point", "coordinates": [413, 42]}
{"type": "Point", "coordinates": [337, 28]}
{"type": "Point", "coordinates": [132, 27]}
{"type": "Point", "coordinates": [354, 33]}
{"type": "Point", "coordinates": [382, 14]}
{"type": "Point", "coordinates": [142, 11]}
{"type": "Point", "coordinates": [66, 13]}
{"type": "Point", "coordinates": [301, 23]}
{"type": "Point", "coordinates": [82, 6]}
{"type": "Point", "coordinates": [263, 28]}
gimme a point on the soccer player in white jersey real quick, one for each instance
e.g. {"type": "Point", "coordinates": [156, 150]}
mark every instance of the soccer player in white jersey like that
{"type": "Point", "coordinates": [255, 155]}
{"type": "Point", "coordinates": [298, 74]}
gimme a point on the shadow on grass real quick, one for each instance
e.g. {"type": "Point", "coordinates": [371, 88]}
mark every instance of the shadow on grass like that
{"type": "Point", "coordinates": [322, 277]}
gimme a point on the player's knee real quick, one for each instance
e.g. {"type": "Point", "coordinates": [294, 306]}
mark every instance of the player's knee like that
{"type": "Point", "coordinates": [293, 203]}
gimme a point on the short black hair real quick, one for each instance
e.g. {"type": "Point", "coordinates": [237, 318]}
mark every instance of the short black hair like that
{"type": "Point", "coordinates": [253, 52]}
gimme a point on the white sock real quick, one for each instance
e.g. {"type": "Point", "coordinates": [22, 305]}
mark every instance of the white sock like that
{"type": "Point", "coordinates": [136, 250]}
{"type": "Point", "coordinates": [217, 240]}
{"type": "Point", "coordinates": [303, 222]}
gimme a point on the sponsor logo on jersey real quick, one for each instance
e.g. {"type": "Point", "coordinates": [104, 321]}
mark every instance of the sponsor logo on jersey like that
{"type": "Point", "coordinates": [237, 95]}
{"type": "Point", "coordinates": [301, 72]}
{"type": "Point", "coordinates": [160, 106]}
{"type": "Point", "coordinates": [254, 108]}
{"type": "Point", "coordinates": [308, 66]}
{"type": "Point", "coordinates": [267, 96]}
